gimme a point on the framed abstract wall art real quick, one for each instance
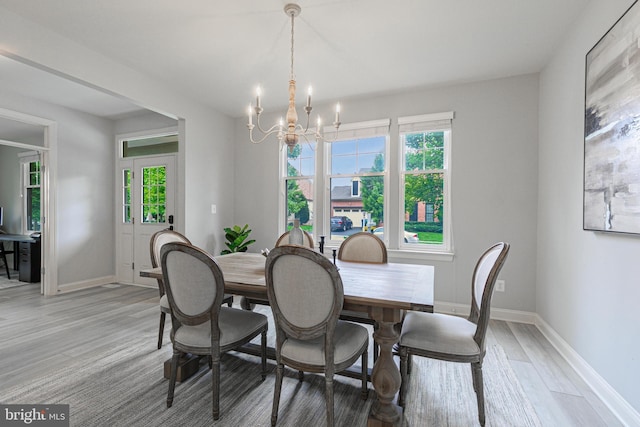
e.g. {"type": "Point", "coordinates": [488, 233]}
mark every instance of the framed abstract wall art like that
{"type": "Point", "coordinates": [612, 129]}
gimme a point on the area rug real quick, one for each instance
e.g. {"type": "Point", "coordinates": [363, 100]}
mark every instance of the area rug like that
{"type": "Point", "coordinates": [124, 386]}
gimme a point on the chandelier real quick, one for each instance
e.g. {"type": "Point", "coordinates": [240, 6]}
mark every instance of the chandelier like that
{"type": "Point", "coordinates": [291, 132]}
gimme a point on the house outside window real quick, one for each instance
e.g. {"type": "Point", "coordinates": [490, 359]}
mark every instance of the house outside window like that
{"type": "Point", "coordinates": [425, 175]}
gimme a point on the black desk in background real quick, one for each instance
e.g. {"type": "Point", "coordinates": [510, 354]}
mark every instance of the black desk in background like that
{"type": "Point", "coordinates": [26, 256]}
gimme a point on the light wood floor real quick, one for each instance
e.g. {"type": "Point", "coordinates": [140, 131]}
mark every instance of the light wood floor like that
{"type": "Point", "coordinates": [558, 394]}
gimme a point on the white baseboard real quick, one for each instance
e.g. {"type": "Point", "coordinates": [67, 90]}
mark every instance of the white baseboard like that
{"type": "Point", "coordinates": [76, 286]}
{"type": "Point", "coordinates": [616, 403]}
{"type": "Point", "coordinates": [496, 313]}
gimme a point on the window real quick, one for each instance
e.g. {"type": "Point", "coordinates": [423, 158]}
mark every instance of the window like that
{"type": "Point", "coordinates": [298, 184]}
{"type": "Point", "coordinates": [357, 165]}
{"type": "Point", "coordinates": [425, 142]}
{"type": "Point", "coordinates": [31, 182]}
{"type": "Point", "coordinates": [351, 179]}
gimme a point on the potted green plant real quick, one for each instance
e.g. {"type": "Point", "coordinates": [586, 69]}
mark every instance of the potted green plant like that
{"type": "Point", "coordinates": [237, 239]}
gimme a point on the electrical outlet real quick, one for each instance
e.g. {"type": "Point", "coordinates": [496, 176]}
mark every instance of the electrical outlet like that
{"type": "Point", "coordinates": [500, 285]}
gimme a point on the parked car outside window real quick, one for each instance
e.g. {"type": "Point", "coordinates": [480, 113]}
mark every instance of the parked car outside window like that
{"type": "Point", "coordinates": [341, 223]}
{"type": "Point", "coordinates": [408, 236]}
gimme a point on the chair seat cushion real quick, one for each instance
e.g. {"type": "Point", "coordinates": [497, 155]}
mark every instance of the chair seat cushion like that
{"type": "Point", "coordinates": [349, 339]}
{"type": "Point", "coordinates": [439, 333]}
{"type": "Point", "coordinates": [235, 326]}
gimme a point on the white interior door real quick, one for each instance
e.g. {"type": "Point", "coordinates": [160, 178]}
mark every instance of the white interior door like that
{"type": "Point", "coordinates": [146, 205]}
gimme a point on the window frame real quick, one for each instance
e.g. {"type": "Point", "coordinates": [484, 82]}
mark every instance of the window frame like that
{"type": "Point", "coordinates": [437, 122]}
{"type": "Point", "coordinates": [26, 159]}
{"type": "Point", "coordinates": [350, 131]}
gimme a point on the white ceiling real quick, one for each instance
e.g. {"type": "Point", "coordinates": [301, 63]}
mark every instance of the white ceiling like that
{"type": "Point", "coordinates": [219, 51]}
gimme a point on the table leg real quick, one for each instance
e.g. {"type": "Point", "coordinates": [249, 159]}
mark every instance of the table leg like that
{"type": "Point", "coordinates": [385, 378]}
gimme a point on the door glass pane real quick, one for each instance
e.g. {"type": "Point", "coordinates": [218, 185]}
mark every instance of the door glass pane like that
{"type": "Point", "coordinates": [153, 194]}
{"type": "Point", "coordinates": [126, 196]}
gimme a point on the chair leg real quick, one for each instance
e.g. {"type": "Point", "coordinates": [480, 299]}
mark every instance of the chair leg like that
{"type": "Point", "coordinates": [404, 358]}
{"type": "Point", "coordinates": [328, 384]}
{"type": "Point", "coordinates": [215, 385]}
{"type": "Point", "coordinates": [263, 352]}
{"type": "Point", "coordinates": [172, 380]}
{"type": "Point", "coordinates": [163, 317]}
{"type": "Point", "coordinates": [300, 375]}
{"type": "Point", "coordinates": [365, 369]}
{"type": "Point", "coordinates": [376, 347]}
{"type": "Point", "coordinates": [4, 259]}
{"type": "Point", "coordinates": [276, 394]}
{"type": "Point", "coordinates": [476, 370]}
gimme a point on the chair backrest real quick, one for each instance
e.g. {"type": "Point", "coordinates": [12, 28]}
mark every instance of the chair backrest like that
{"type": "Point", "coordinates": [363, 247]}
{"type": "Point", "coordinates": [305, 293]}
{"type": "Point", "coordinates": [284, 239]}
{"type": "Point", "coordinates": [159, 239]}
{"type": "Point", "coordinates": [482, 284]}
{"type": "Point", "coordinates": [194, 284]}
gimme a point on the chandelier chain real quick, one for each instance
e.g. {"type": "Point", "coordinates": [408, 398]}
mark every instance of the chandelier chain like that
{"type": "Point", "coordinates": [292, 77]}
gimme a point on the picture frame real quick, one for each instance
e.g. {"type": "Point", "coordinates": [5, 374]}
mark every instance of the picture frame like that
{"type": "Point", "coordinates": [611, 199]}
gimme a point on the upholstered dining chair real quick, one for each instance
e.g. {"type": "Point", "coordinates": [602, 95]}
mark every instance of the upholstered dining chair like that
{"type": "Point", "coordinates": [194, 285]}
{"type": "Point", "coordinates": [452, 338]}
{"type": "Point", "coordinates": [368, 248]}
{"type": "Point", "coordinates": [250, 303]}
{"type": "Point", "coordinates": [284, 239]}
{"type": "Point", "coordinates": [156, 242]}
{"type": "Point", "coordinates": [306, 295]}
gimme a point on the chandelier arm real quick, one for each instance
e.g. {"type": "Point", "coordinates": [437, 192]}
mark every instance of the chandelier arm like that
{"type": "Point", "coordinates": [267, 131]}
{"type": "Point", "coordinates": [274, 129]}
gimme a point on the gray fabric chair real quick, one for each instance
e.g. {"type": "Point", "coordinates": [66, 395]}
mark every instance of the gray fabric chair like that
{"type": "Point", "coordinates": [306, 296]}
{"type": "Point", "coordinates": [194, 285]}
{"type": "Point", "coordinates": [284, 239]}
{"type": "Point", "coordinates": [363, 247]}
{"type": "Point", "coordinates": [452, 338]}
{"type": "Point", "coordinates": [250, 303]}
{"type": "Point", "coordinates": [368, 248]}
{"type": "Point", "coordinates": [155, 244]}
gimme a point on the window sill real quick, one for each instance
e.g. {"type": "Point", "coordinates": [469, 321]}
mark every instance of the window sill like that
{"type": "Point", "coordinates": [403, 255]}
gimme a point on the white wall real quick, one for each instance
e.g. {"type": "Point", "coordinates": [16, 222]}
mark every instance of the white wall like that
{"type": "Point", "coordinates": [207, 148]}
{"type": "Point", "coordinates": [587, 286]}
{"type": "Point", "coordinates": [10, 189]}
{"type": "Point", "coordinates": [494, 178]}
{"type": "Point", "coordinates": [84, 194]}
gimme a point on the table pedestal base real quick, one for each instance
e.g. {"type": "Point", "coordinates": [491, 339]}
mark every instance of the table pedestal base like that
{"type": "Point", "coordinates": [187, 366]}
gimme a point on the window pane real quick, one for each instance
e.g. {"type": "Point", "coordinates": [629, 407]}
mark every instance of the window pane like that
{"type": "Point", "coordinates": [300, 203]}
{"type": "Point", "coordinates": [33, 209]}
{"type": "Point", "coordinates": [126, 196]}
{"type": "Point", "coordinates": [423, 195]}
{"type": "Point", "coordinates": [153, 191]}
{"type": "Point", "coordinates": [349, 213]}
{"type": "Point", "coordinates": [301, 162]}
{"type": "Point", "coordinates": [424, 150]}
{"type": "Point", "coordinates": [357, 155]}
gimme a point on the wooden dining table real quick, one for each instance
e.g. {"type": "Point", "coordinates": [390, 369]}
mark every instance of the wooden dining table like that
{"type": "Point", "coordinates": [383, 291]}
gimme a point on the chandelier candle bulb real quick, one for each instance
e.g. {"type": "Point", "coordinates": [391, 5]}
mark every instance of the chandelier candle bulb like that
{"type": "Point", "coordinates": [258, 97]}
{"type": "Point", "coordinates": [250, 115]}
{"type": "Point", "coordinates": [309, 97]}
{"type": "Point", "coordinates": [337, 113]}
